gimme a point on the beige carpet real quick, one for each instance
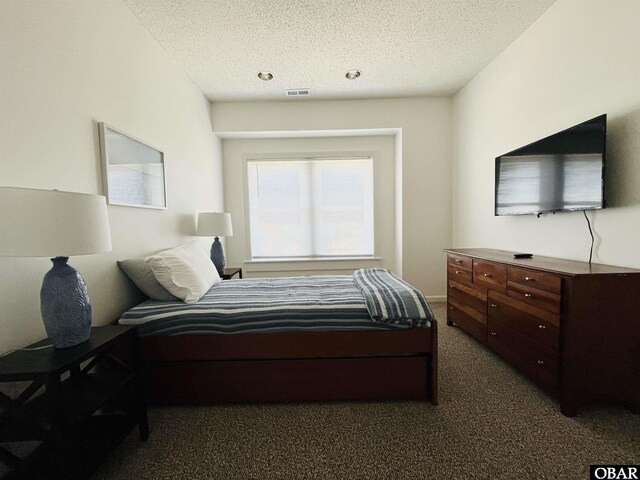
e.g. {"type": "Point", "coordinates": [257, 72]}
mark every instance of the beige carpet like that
{"type": "Point", "coordinates": [491, 423]}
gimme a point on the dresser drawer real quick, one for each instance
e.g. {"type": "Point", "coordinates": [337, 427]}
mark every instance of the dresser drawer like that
{"type": "Point", "coordinates": [459, 274]}
{"type": "Point", "coordinates": [540, 330]}
{"type": "Point", "coordinates": [489, 274]}
{"type": "Point", "coordinates": [534, 297]}
{"type": "Point", "coordinates": [539, 363]}
{"type": "Point", "coordinates": [467, 318]}
{"type": "Point", "coordinates": [475, 297]}
{"type": "Point", "coordinates": [533, 279]}
{"type": "Point", "coordinates": [459, 261]}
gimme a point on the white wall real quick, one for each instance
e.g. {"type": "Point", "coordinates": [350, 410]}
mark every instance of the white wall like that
{"type": "Point", "coordinates": [426, 163]}
{"type": "Point", "coordinates": [580, 59]}
{"type": "Point", "coordinates": [381, 148]}
{"type": "Point", "coordinates": [64, 66]}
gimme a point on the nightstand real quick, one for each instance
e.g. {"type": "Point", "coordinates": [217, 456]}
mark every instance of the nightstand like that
{"type": "Point", "coordinates": [230, 272]}
{"type": "Point", "coordinates": [77, 404]}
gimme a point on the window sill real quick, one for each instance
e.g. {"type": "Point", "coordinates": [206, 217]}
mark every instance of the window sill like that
{"type": "Point", "coordinates": [309, 266]}
{"type": "Point", "coordinates": [310, 260]}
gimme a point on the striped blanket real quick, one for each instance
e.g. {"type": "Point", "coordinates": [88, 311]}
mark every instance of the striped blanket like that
{"type": "Point", "coordinates": [392, 300]}
{"type": "Point", "coordinates": [313, 303]}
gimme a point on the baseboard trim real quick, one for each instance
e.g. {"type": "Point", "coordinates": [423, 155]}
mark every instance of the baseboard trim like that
{"type": "Point", "coordinates": [437, 299]}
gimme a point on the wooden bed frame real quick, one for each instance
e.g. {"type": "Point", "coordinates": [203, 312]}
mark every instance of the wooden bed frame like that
{"type": "Point", "coordinates": [291, 367]}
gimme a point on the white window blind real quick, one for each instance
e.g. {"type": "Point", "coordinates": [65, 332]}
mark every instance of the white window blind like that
{"type": "Point", "coordinates": [311, 208]}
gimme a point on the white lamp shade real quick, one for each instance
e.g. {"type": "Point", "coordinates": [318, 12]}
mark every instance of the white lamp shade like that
{"type": "Point", "coordinates": [214, 224]}
{"type": "Point", "coordinates": [49, 223]}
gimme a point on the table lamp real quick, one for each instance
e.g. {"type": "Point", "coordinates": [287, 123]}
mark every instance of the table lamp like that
{"type": "Point", "coordinates": [49, 223]}
{"type": "Point", "coordinates": [217, 225]}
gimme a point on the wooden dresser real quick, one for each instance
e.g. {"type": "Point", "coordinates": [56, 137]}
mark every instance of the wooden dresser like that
{"type": "Point", "coordinates": [572, 327]}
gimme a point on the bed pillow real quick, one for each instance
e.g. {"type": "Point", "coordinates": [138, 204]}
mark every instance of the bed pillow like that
{"type": "Point", "coordinates": [140, 273]}
{"type": "Point", "coordinates": [185, 271]}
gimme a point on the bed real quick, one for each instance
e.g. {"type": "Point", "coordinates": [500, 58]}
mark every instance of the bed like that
{"type": "Point", "coordinates": [290, 339]}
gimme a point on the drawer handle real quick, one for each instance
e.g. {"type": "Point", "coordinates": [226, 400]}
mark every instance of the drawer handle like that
{"type": "Point", "coordinates": [458, 272]}
{"type": "Point", "coordinates": [529, 279]}
{"type": "Point", "coordinates": [451, 308]}
{"type": "Point", "coordinates": [542, 327]}
{"type": "Point", "coordinates": [486, 275]}
{"type": "Point", "coordinates": [458, 261]}
{"type": "Point", "coordinates": [528, 295]}
{"type": "Point", "coordinates": [493, 305]}
{"type": "Point", "coordinates": [494, 334]}
{"type": "Point", "coordinates": [541, 362]}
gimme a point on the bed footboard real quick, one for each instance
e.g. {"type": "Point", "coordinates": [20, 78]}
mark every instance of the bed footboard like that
{"type": "Point", "coordinates": [285, 367]}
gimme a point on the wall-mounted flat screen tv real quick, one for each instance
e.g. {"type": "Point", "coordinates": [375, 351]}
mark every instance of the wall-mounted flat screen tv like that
{"type": "Point", "coordinates": [562, 172]}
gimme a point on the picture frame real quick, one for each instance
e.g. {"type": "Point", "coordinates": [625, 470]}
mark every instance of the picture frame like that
{"type": "Point", "coordinates": [133, 172]}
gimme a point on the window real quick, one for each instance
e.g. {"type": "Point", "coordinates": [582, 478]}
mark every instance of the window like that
{"type": "Point", "coordinates": [311, 208]}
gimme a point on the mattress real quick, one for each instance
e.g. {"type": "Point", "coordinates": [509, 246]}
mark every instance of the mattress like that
{"type": "Point", "coordinates": [263, 305]}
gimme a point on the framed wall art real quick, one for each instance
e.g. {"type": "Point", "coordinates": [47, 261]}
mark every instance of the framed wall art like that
{"type": "Point", "coordinates": [132, 171]}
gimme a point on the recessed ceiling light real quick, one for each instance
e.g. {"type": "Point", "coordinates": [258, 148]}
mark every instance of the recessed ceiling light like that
{"type": "Point", "coordinates": [353, 74]}
{"type": "Point", "coordinates": [266, 76]}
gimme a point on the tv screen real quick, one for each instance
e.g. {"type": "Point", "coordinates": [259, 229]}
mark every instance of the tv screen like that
{"type": "Point", "coordinates": [562, 172]}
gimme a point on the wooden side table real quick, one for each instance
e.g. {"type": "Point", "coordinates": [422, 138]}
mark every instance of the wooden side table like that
{"type": "Point", "coordinates": [79, 403]}
{"type": "Point", "coordinates": [230, 272]}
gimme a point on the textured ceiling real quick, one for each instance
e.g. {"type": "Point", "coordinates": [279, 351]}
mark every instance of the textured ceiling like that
{"type": "Point", "coordinates": [403, 47]}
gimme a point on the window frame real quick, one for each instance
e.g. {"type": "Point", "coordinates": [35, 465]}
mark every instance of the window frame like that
{"type": "Point", "coordinates": [289, 156]}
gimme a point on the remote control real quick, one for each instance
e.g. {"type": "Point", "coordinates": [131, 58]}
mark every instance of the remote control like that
{"type": "Point", "coordinates": [522, 255]}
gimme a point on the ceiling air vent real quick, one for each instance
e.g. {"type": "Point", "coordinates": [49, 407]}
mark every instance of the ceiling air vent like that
{"type": "Point", "coordinates": [298, 92]}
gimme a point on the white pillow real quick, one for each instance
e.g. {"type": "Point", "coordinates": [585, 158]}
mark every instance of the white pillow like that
{"type": "Point", "coordinates": [185, 271]}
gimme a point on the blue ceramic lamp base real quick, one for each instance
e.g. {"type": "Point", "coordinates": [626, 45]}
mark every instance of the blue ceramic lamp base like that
{"type": "Point", "coordinates": [65, 306]}
{"type": "Point", "coordinates": [217, 256]}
